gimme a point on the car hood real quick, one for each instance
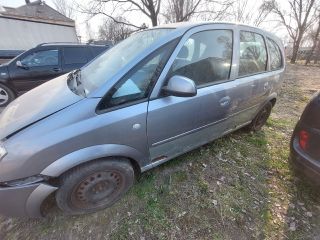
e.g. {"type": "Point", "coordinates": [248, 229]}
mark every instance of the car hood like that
{"type": "Point", "coordinates": [35, 105]}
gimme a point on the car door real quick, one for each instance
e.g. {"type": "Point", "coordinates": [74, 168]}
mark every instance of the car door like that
{"type": "Point", "coordinates": [74, 57]}
{"type": "Point", "coordinates": [37, 67]}
{"type": "Point", "coordinates": [251, 77]}
{"type": "Point", "coordinates": [178, 124]}
{"type": "Point", "coordinates": [123, 111]}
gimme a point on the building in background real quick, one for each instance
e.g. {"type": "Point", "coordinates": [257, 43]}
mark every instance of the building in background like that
{"type": "Point", "coordinates": [29, 25]}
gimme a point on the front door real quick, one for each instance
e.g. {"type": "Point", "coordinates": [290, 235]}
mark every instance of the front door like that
{"type": "Point", "coordinates": [178, 124]}
{"type": "Point", "coordinates": [37, 67]}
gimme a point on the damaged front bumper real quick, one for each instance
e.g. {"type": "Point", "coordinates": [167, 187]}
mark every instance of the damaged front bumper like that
{"type": "Point", "coordinates": [24, 200]}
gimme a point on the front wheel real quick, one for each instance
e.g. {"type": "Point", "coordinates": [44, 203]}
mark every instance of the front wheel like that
{"type": "Point", "coordinates": [6, 95]}
{"type": "Point", "coordinates": [94, 186]}
{"type": "Point", "coordinates": [261, 118]}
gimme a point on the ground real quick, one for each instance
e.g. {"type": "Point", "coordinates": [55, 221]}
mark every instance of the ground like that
{"type": "Point", "coordinates": [238, 187]}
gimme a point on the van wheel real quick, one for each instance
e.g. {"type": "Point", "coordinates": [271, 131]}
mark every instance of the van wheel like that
{"type": "Point", "coordinates": [6, 95]}
{"type": "Point", "coordinates": [94, 186]}
{"type": "Point", "coordinates": [260, 120]}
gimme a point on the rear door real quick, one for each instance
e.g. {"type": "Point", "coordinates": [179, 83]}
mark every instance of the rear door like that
{"type": "Point", "coordinates": [40, 65]}
{"type": "Point", "coordinates": [74, 57]}
{"type": "Point", "coordinates": [178, 124]}
{"type": "Point", "coordinates": [252, 77]}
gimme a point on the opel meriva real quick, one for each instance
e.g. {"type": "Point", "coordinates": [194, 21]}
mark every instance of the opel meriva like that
{"type": "Point", "coordinates": [158, 94]}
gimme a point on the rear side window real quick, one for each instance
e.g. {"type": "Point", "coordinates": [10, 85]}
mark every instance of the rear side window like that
{"type": "Point", "coordinates": [98, 50]}
{"type": "Point", "coordinates": [275, 55]}
{"type": "Point", "coordinates": [205, 57]}
{"type": "Point", "coordinates": [253, 54]}
{"type": "Point", "coordinates": [75, 55]}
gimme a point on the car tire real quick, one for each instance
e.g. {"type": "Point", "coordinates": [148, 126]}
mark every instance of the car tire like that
{"type": "Point", "coordinates": [6, 95]}
{"type": "Point", "coordinates": [94, 186]}
{"type": "Point", "coordinates": [261, 118]}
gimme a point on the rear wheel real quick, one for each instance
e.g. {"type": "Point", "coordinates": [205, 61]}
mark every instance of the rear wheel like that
{"type": "Point", "coordinates": [261, 118]}
{"type": "Point", "coordinates": [94, 186]}
{"type": "Point", "coordinates": [6, 95]}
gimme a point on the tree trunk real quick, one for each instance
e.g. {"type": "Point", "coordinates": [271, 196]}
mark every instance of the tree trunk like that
{"type": "Point", "coordinates": [317, 55]}
{"type": "Point", "coordinates": [154, 20]}
{"type": "Point", "coordinates": [314, 44]}
{"type": "Point", "coordinates": [295, 50]}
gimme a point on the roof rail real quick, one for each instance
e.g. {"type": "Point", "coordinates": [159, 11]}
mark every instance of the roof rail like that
{"type": "Point", "coordinates": [59, 43]}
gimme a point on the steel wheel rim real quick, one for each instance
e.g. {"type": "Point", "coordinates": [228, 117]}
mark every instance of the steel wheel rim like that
{"type": "Point", "coordinates": [97, 190]}
{"type": "Point", "coordinates": [4, 96]}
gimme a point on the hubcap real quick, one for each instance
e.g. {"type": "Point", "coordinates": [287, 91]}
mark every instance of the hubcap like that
{"type": "Point", "coordinates": [96, 190]}
{"type": "Point", "coordinates": [4, 97]}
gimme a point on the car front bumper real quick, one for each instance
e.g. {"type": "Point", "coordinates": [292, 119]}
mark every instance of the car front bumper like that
{"type": "Point", "coordinates": [24, 200]}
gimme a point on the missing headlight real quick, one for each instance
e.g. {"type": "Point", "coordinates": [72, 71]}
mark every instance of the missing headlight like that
{"type": "Point", "coordinates": [24, 181]}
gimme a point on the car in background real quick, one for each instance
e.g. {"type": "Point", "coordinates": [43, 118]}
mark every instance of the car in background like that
{"type": "Point", "coordinates": [305, 142]}
{"type": "Point", "coordinates": [43, 63]}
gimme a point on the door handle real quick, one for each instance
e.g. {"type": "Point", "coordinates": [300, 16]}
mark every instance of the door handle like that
{"type": "Point", "coordinates": [56, 69]}
{"type": "Point", "coordinates": [225, 101]}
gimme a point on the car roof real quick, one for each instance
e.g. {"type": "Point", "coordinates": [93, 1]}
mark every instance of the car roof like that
{"type": "Point", "coordinates": [66, 44]}
{"type": "Point", "coordinates": [188, 25]}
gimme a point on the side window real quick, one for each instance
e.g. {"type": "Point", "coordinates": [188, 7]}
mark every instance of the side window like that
{"type": "Point", "coordinates": [253, 54]}
{"type": "Point", "coordinates": [205, 57]}
{"type": "Point", "coordinates": [275, 55]}
{"type": "Point", "coordinates": [42, 58]}
{"type": "Point", "coordinates": [137, 84]}
{"type": "Point", "coordinates": [75, 55]}
{"type": "Point", "coordinates": [98, 50]}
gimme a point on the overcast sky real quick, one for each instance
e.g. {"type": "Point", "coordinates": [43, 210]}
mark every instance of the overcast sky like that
{"type": "Point", "coordinates": [134, 17]}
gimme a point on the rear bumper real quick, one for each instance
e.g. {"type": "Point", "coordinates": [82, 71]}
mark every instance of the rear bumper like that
{"type": "Point", "coordinates": [24, 200]}
{"type": "Point", "coordinates": [304, 164]}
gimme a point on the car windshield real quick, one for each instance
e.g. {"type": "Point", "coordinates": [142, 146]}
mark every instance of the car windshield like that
{"type": "Point", "coordinates": [107, 65]}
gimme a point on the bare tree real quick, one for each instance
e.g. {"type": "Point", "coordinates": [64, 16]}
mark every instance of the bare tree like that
{"type": "Point", "coordinates": [64, 7]}
{"type": "Point", "coordinates": [296, 21]}
{"type": "Point", "coordinates": [113, 31]}
{"type": "Point", "coordinates": [180, 10]}
{"type": "Point", "coordinates": [185, 10]}
{"type": "Point", "coordinates": [315, 33]}
{"type": "Point", "coordinates": [249, 12]}
{"type": "Point", "coordinates": [149, 8]}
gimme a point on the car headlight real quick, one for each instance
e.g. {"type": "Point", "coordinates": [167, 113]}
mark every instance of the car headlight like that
{"type": "Point", "coordinates": [3, 151]}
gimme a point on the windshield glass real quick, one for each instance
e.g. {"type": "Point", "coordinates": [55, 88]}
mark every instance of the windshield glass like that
{"type": "Point", "coordinates": [107, 65]}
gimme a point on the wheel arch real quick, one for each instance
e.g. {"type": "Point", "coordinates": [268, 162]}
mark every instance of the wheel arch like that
{"type": "Point", "coordinates": [100, 152]}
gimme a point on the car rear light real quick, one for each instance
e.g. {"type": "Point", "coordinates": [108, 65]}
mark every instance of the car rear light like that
{"type": "Point", "coordinates": [304, 138]}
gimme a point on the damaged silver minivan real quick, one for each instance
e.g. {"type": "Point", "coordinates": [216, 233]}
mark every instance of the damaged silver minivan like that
{"type": "Point", "coordinates": [156, 95]}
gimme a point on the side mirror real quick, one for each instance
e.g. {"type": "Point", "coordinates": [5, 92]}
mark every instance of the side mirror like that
{"type": "Point", "coordinates": [21, 65]}
{"type": "Point", "coordinates": [180, 86]}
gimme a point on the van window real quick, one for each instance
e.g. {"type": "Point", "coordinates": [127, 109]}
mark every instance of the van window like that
{"type": "Point", "coordinates": [138, 83]}
{"type": "Point", "coordinates": [205, 57]}
{"type": "Point", "coordinates": [98, 50]}
{"type": "Point", "coordinates": [42, 58]}
{"type": "Point", "coordinates": [253, 54]}
{"type": "Point", "coordinates": [275, 55]}
{"type": "Point", "coordinates": [75, 55]}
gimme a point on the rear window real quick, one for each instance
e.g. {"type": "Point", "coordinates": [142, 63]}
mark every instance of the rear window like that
{"type": "Point", "coordinates": [253, 54]}
{"type": "Point", "coordinates": [75, 55]}
{"type": "Point", "coordinates": [275, 55]}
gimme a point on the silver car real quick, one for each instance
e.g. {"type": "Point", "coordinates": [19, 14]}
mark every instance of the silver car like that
{"type": "Point", "coordinates": [156, 95]}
